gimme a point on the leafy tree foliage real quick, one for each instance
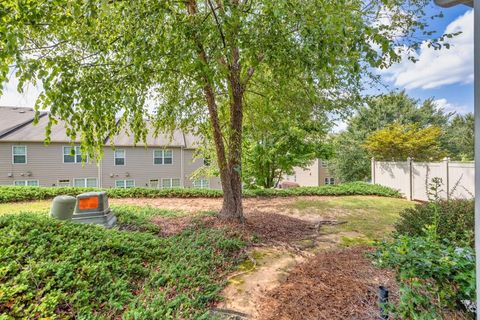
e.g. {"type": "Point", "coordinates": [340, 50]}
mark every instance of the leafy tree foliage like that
{"type": "Point", "coordinates": [351, 160]}
{"type": "Point", "coordinates": [397, 142]}
{"type": "Point", "coordinates": [276, 143]}
{"type": "Point", "coordinates": [196, 63]}
{"type": "Point", "coordinates": [458, 138]}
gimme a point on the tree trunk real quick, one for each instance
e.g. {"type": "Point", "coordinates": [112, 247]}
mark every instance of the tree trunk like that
{"type": "Point", "coordinates": [230, 168]}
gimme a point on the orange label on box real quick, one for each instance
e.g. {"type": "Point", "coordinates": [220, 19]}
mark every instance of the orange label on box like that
{"type": "Point", "coordinates": [88, 203]}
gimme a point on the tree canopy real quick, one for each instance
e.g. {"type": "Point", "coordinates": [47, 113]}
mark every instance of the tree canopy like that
{"type": "Point", "coordinates": [352, 160]}
{"type": "Point", "coordinates": [397, 142]}
{"type": "Point", "coordinates": [196, 63]}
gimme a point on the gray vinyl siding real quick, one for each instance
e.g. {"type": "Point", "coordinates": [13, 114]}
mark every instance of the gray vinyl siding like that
{"type": "Point", "coordinates": [192, 164]}
{"type": "Point", "coordinates": [44, 163]}
{"type": "Point", "coordinates": [139, 166]}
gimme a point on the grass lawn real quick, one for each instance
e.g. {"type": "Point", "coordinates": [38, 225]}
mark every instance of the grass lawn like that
{"type": "Point", "coordinates": [373, 217]}
{"type": "Point", "coordinates": [59, 270]}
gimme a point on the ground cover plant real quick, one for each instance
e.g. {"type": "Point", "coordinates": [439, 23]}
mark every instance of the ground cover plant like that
{"type": "Point", "coordinates": [432, 252]}
{"type": "Point", "coordinates": [13, 193]}
{"type": "Point", "coordinates": [63, 270]}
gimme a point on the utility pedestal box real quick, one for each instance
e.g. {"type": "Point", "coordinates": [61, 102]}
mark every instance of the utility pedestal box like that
{"type": "Point", "coordinates": [92, 207]}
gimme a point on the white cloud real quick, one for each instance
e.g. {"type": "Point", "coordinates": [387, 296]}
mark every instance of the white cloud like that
{"type": "Point", "coordinates": [451, 107]}
{"type": "Point", "coordinates": [436, 68]}
{"type": "Point", "coordinates": [11, 97]}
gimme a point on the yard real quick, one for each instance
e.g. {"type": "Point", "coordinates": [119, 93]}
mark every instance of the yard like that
{"type": "Point", "coordinates": [295, 258]}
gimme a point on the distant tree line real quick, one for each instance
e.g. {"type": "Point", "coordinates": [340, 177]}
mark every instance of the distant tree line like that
{"type": "Point", "coordinates": [396, 126]}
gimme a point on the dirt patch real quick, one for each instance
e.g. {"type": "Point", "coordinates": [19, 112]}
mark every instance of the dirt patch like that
{"type": "Point", "coordinates": [267, 228]}
{"type": "Point", "coordinates": [340, 284]}
{"type": "Point", "coordinates": [272, 265]}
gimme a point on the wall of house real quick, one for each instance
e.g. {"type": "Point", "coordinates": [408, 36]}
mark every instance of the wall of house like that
{"type": "Point", "coordinates": [192, 164]}
{"type": "Point", "coordinates": [138, 166]}
{"type": "Point", "coordinates": [312, 176]}
{"type": "Point", "coordinates": [44, 163]}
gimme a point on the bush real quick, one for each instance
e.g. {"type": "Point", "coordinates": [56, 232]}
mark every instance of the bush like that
{"type": "Point", "coordinates": [60, 270]}
{"type": "Point", "coordinates": [434, 275]}
{"type": "Point", "coordinates": [455, 220]}
{"type": "Point", "coordinates": [12, 193]}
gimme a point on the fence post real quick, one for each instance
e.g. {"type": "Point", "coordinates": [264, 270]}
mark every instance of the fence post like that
{"type": "Point", "coordinates": [446, 161]}
{"type": "Point", "coordinates": [373, 170]}
{"type": "Point", "coordinates": [410, 179]}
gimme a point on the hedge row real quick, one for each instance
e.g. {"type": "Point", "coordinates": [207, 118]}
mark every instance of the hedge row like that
{"type": "Point", "coordinates": [13, 194]}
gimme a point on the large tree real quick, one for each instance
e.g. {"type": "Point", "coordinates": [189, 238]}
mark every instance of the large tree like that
{"type": "Point", "coordinates": [351, 160]}
{"type": "Point", "coordinates": [458, 138]}
{"type": "Point", "coordinates": [196, 62]}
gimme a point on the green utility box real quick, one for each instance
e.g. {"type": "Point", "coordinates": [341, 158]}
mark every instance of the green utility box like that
{"type": "Point", "coordinates": [63, 207]}
{"type": "Point", "coordinates": [92, 207]}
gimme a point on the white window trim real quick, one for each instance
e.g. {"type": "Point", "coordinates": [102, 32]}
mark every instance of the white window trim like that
{"type": "Point", "coordinates": [85, 180]}
{"type": "Point", "coordinates": [124, 157]}
{"type": "Point", "coordinates": [202, 185]}
{"type": "Point", "coordinates": [163, 157]}
{"type": "Point", "coordinates": [171, 183]}
{"type": "Point", "coordinates": [26, 153]}
{"type": "Point", "coordinates": [125, 183]}
{"type": "Point", "coordinates": [75, 156]}
{"type": "Point", "coordinates": [26, 182]}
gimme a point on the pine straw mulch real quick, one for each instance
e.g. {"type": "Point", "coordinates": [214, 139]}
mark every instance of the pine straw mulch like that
{"type": "Point", "coordinates": [267, 228]}
{"type": "Point", "coordinates": [340, 284]}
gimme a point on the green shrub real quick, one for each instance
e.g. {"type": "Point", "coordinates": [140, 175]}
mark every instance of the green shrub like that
{"type": "Point", "coordinates": [12, 193]}
{"type": "Point", "coordinates": [455, 220]}
{"type": "Point", "coordinates": [60, 270]}
{"type": "Point", "coordinates": [434, 275]}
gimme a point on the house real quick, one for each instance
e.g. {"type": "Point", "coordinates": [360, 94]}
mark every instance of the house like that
{"type": "Point", "coordinates": [316, 174]}
{"type": "Point", "coordinates": [165, 161]}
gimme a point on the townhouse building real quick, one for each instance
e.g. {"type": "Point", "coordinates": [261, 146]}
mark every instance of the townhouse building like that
{"type": "Point", "coordinates": [164, 162]}
{"type": "Point", "coordinates": [316, 174]}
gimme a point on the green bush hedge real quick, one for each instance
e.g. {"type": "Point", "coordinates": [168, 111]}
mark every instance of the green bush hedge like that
{"type": "Point", "coordinates": [59, 270]}
{"type": "Point", "coordinates": [13, 194]}
{"type": "Point", "coordinates": [454, 220]}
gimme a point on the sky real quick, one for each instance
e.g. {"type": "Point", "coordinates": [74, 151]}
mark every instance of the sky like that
{"type": "Point", "coordinates": [444, 75]}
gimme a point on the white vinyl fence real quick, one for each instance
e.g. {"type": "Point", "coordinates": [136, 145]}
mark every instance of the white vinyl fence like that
{"type": "Point", "coordinates": [414, 178]}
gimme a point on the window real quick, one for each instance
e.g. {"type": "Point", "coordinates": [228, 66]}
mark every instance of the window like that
{"type": "Point", "coordinates": [23, 183]}
{"type": "Point", "coordinates": [125, 183]}
{"type": "Point", "coordinates": [64, 183]}
{"type": "Point", "coordinates": [19, 154]}
{"type": "Point", "coordinates": [119, 156]}
{"type": "Point", "coordinates": [324, 164]}
{"type": "Point", "coordinates": [72, 155]}
{"type": "Point", "coordinates": [170, 183]}
{"type": "Point", "coordinates": [201, 183]}
{"type": "Point", "coordinates": [85, 182]}
{"type": "Point", "coordinates": [329, 180]}
{"type": "Point", "coordinates": [162, 157]}
{"type": "Point", "coordinates": [207, 162]}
